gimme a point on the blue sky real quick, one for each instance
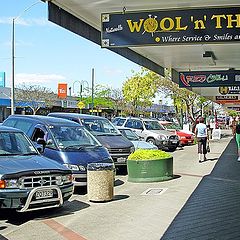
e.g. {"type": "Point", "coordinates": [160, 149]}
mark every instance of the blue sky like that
{"type": "Point", "coordinates": [47, 54]}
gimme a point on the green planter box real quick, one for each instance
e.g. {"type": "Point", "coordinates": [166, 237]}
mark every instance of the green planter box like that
{"type": "Point", "coordinates": [150, 170]}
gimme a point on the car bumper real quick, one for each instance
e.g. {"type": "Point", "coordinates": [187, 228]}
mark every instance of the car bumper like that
{"type": "Point", "coordinates": [167, 144]}
{"type": "Point", "coordinates": [24, 199]}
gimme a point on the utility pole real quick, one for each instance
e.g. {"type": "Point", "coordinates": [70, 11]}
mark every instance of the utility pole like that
{"type": "Point", "coordinates": [92, 89]}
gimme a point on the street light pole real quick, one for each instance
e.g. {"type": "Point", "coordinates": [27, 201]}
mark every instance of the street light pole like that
{"type": "Point", "coordinates": [13, 67]}
{"type": "Point", "coordinates": [13, 55]}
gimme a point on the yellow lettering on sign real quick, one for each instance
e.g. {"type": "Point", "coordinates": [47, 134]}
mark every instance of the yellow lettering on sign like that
{"type": "Point", "coordinates": [135, 26]}
{"type": "Point", "coordinates": [218, 20]}
{"type": "Point", "coordinates": [163, 26]}
{"type": "Point", "coordinates": [230, 20]}
{"type": "Point", "coordinates": [178, 24]}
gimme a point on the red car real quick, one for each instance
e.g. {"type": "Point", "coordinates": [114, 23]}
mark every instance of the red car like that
{"type": "Point", "coordinates": [185, 138]}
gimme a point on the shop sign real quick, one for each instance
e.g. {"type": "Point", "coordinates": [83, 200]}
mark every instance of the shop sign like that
{"type": "Point", "coordinates": [62, 90]}
{"type": "Point", "coordinates": [209, 78]}
{"type": "Point", "coordinates": [229, 90]}
{"type": "Point", "coordinates": [230, 98]}
{"type": "Point", "coordinates": [167, 27]}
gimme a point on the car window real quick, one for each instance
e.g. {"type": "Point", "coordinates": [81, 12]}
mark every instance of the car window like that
{"type": "Point", "coordinates": [100, 126]}
{"type": "Point", "coordinates": [69, 136]}
{"type": "Point", "coordinates": [153, 125]}
{"type": "Point", "coordinates": [121, 121]}
{"type": "Point", "coordinates": [129, 134]}
{"type": "Point", "coordinates": [129, 123]}
{"type": "Point", "coordinates": [12, 143]}
{"type": "Point", "coordinates": [138, 124]}
{"type": "Point", "coordinates": [10, 122]}
{"type": "Point", "coordinates": [23, 125]}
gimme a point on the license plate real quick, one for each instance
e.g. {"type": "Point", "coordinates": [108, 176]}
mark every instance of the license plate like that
{"type": "Point", "coordinates": [174, 141]}
{"type": "Point", "coordinates": [40, 194]}
{"type": "Point", "coordinates": [121, 159]}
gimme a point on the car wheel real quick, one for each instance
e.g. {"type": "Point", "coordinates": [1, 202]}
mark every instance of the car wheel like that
{"type": "Point", "coordinates": [151, 140]}
{"type": "Point", "coordinates": [172, 149]}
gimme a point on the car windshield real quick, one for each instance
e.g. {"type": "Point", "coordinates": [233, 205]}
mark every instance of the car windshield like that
{"type": "Point", "coordinates": [129, 134]}
{"type": "Point", "coordinates": [73, 137]}
{"type": "Point", "coordinates": [153, 125]}
{"type": "Point", "coordinates": [15, 143]}
{"type": "Point", "coordinates": [100, 127]}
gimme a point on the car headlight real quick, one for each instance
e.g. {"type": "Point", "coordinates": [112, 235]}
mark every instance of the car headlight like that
{"type": "Point", "coordinates": [67, 178]}
{"type": "Point", "coordinates": [162, 137]}
{"type": "Point", "coordinates": [182, 137]}
{"type": "Point", "coordinates": [132, 149]}
{"type": "Point", "coordinates": [60, 180]}
{"type": "Point", "coordinates": [11, 183]}
{"type": "Point", "coordinates": [72, 167]}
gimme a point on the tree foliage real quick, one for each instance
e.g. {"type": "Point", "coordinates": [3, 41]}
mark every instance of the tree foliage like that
{"type": "Point", "coordinates": [101, 97]}
{"type": "Point", "coordinates": [34, 97]}
{"type": "Point", "coordinates": [139, 90]}
{"type": "Point", "coordinates": [184, 100]}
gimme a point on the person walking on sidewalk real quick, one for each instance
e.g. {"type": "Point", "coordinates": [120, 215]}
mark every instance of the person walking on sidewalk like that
{"type": "Point", "coordinates": [202, 137]}
{"type": "Point", "coordinates": [237, 135]}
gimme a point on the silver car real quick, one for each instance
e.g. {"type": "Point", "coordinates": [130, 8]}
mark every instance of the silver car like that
{"type": "Point", "coordinates": [151, 130]}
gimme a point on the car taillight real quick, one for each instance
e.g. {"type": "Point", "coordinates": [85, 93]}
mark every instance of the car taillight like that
{"type": "Point", "coordinates": [2, 184]}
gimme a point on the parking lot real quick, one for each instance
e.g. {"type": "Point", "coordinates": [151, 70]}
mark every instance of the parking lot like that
{"type": "Point", "coordinates": [138, 210]}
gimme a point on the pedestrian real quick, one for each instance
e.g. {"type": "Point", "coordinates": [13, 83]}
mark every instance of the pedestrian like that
{"type": "Point", "coordinates": [233, 126]}
{"type": "Point", "coordinates": [238, 139]}
{"type": "Point", "coordinates": [202, 138]}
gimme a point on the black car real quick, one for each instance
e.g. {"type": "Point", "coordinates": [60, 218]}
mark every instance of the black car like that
{"type": "Point", "coordinates": [29, 181]}
{"type": "Point", "coordinates": [107, 134]}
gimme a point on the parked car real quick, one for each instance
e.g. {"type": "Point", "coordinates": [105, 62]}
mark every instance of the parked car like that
{"type": "Point", "coordinates": [107, 134]}
{"type": "Point", "coordinates": [29, 181]}
{"type": "Point", "coordinates": [185, 138]}
{"type": "Point", "coordinates": [137, 141]}
{"type": "Point", "coordinates": [151, 130]}
{"type": "Point", "coordinates": [63, 141]}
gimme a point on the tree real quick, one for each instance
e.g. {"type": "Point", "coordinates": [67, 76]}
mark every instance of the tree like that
{"type": "Point", "coordinates": [184, 100]}
{"type": "Point", "coordinates": [34, 97]}
{"type": "Point", "coordinates": [139, 90]}
{"type": "Point", "coordinates": [102, 97]}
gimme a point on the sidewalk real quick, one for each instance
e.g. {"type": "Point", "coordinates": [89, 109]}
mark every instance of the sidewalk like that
{"type": "Point", "coordinates": [132, 214]}
{"type": "Point", "coordinates": [213, 210]}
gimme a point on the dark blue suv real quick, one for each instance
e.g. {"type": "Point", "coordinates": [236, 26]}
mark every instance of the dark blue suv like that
{"type": "Point", "coordinates": [29, 181]}
{"type": "Point", "coordinates": [63, 141]}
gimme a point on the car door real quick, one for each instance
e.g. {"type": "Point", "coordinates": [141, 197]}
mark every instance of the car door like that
{"type": "Point", "coordinates": [50, 150]}
{"type": "Point", "coordinates": [138, 128]}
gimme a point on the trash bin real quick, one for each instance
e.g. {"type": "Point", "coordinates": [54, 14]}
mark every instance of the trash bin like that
{"type": "Point", "coordinates": [100, 182]}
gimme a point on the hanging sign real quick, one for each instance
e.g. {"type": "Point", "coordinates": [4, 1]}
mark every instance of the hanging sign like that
{"type": "Point", "coordinates": [167, 27]}
{"type": "Point", "coordinates": [209, 78]}
{"type": "Point", "coordinates": [62, 90]}
{"type": "Point", "coordinates": [229, 90]}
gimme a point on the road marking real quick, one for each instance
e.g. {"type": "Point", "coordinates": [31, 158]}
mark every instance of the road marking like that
{"type": "Point", "coordinates": [62, 230]}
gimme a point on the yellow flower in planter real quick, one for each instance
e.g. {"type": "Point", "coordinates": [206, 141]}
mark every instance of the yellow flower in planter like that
{"type": "Point", "coordinates": [148, 154]}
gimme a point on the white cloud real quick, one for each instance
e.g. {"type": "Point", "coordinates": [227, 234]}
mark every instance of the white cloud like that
{"type": "Point", "coordinates": [38, 79]}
